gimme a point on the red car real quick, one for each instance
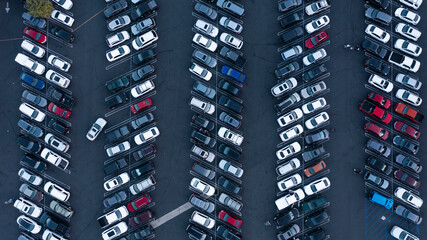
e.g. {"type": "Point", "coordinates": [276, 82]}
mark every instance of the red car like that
{"type": "Point", "coordinates": [380, 100]}
{"type": "Point", "coordinates": [407, 130]}
{"type": "Point", "coordinates": [141, 218]}
{"type": "Point", "coordinates": [409, 112]}
{"type": "Point", "coordinates": [375, 111]}
{"type": "Point", "coordinates": [141, 105]}
{"type": "Point", "coordinates": [59, 111]}
{"type": "Point", "coordinates": [406, 179]}
{"type": "Point", "coordinates": [377, 130]}
{"type": "Point", "coordinates": [138, 203]}
{"type": "Point", "coordinates": [316, 39]}
{"type": "Point", "coordinates": [224, 216]}
{"type": "Point", "coordinates": [39, 37]}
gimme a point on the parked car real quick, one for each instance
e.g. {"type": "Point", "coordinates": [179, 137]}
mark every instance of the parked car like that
{"type": "Point", "coordinates": [289, 117]}
{"type": "Point", "coordinates": [315, 235]}
{"type": "Point", "coordinates": [30, 129]}
{"type": "Point", "coordinates": [407, 179]}
{"type": "Point", "coordinates": [228, 218]}
{"type": "Point", "coordinates": [230, 24]}
{"type": "Point", "coordinates": [201, 121]}
{"type": "Point", "coordinates": [118, 22]}
{"type": "Point", "coordinates": [205, 42]}
{"type": "Point", "coordinates": [378, 165]}
{"type": "Point", "coordinates": [288, 102]}
{"type": "Point", "coordinates": [409, 112]}
{"type": "Point", "coordinates": [32, 162]}
{"type": "Point", "coordinates": [32, 48]}
{"type": "Point", "coordinates": [313, 204]}
{"type": "Point", "coordinates": [204, 58]}
{"type": "Point", "coordinates": [376, 112]}
{"type": "Point", "coordinates": [200, 72]}
{"type": "Point", "coordinates": [116, 181]}
{"type": "Point", "coordinates": [407, 15]}
{"type": "Point", "coordinates": [117, 84]}
{"type": "Point", "coordinates": [230, 104]}
{"type": "Point", "coordinates": [378, 16]}
{"type": "Point", "coordinates": [27, 207]}
{"type": "Point", "coordinates": [376, 130]}
{"type": "Point", "coordinates": [28, 224]}
{"type": "Point", "coordinates": [314, 105]}
{"type": "Point", "coordinates": [200, 137]}
{"type": "Point", "coordinates": [227, 234]}
{"type": "Point", "coordinates": [286, 218]}
{"type": "Point", "coordinates": [30, 64]}
{"type": "Point", "coordinates": [316, 219]}
{"type": "Point", "coordinates": [287, 167]}
{"type": "Point", "coordinates": [62, 18]}
{"type": "Point", "coordinates": [408, 47]}
{"type": "Point", "coordinates": [288, 151]}
{"type": "Point", "coordinates": [382, 4]}
{"type": "Point", "coordinates": [142, 233]}
{"type": "Point", "coordinates": [317, 7]}
{"type": "Point", "coordinates": [374, 48]}
{"type": "Point", "coordinates": [38, 36]}
{"type": "Point", "coordinates": [410, 97]}
{"type": "Point", "coordinates": [376, 180]}
{"type": "Point", "coordinates": [96, 128]}
{"type": "Point", "coordinates": [61, 209]}
{"type": "Point", "coordinates": [291, 133]}
{"type": "Point", "coordinates": [231, 7]}
{"type": "Point", "coordinates": [380, 83]}
{"type": "Point", "coordinates": [317, 24]}
{"type": "Point", "coordinates": [228, 135]}
{"type": "Point", "coordinates": [229, 152]}
{"type": "Point", "coordinates": [232, 56]}
{"type": "Point", "coordinates": [314, 73]}
{"type": "Point", "coordinates": [408, 163]}
{"type": "Point", "coordinates": [144, 56]}
{"type": "Point", "coordinates": [53, 224]}
{"type": "Point", "coordinates": [32, 81]}
{"type": "Point", "coordinates": [196, 233]}
{"type": "Point", "coordinates": [233, 73]}
{"type": "Point", "coordinates": [309, 155]}
{"type": "Point", "coordinates": [142, 25]}
{"type": "Point", "coordinates": [56, 142]}
{"type": "Point", "coordinates": [63, 113]}
{"type": "Point", "coordinates": [378, 66]}
{"type": "Point", "coordinates": [230, 168]}
{"type": "Point", "coordinates": [377, 33]}
{"type": "Point", "coordinates": [204, 154]}
{"type": "Point", "coordinates": [406, 129]}
{"type": "Point", "coordinates": [229, 185]}
{"type": "Point", "coordinates": [141, 121]}
{"type": "Point", "coordinates": [113, 216]}
{"type": "Point", "coordinates": [231, 40]}
{"type": "Point", "coordinates": [115, 199]}
{"type": "Point", "coordinates": [117, 53]}
{"type": "Point", "coordinates": [398, 232]}
{"type": "Point", "coordinates": [115, 8]}
{"type": "Point", "coordinates": [143, 9]}
{"type": "Point", "coordinates": [115, 166]}
{"type": "Point", "coordinates": [378, 147]}
{"type": "Point", "coordinates": [291, 19]}
{"type": "Point", "coordinates": [65, 4]}
{"type": "Point", "coordinates": [289, 182]}
{"type": "Point", "coordinates": [115, 231]}
{"type": "Point", "coordinates": [138, 107]}
{"type": "Point", "coordinates": [405, 213]}
{"type": "Point", "coordinates": [317, 186]}
{"type": "Point", "coordinates": [314, 57]}
{"type": "Point", "coordinates": [316, 39]}
{"type": "Point", "coordinates": [404, 62]}
{"type": "Point", "coordinates": [289, 233]}
{"type": "Point", "coordinates": [317, 120]}
{"type": "Point", "coordinates": [56, 191]}
{"type": "Point", "coordinates": [58, 126]}
{"type": "Point", "coordinates": [206, 28]}
{"type": "Point", "coordinates": [283, 87]}
{"type": "Point", "coordinates": [202, 187]}
{"type": "Point", "coordinates": [144, 40]}
{"type": "Point", "coordinates": [146, 135]}
{"type": "Point", "coordinates": [315, 168]}
{"type": "Point", "coordinates": [408, 31]}
{"type": "Point", "coordinates": [201, 203]}
{"type": "Point", "coordinates": [206, 10]}
{"type": "Point", "coordinates": [233, 204]}
{"type": "Point", "coordinates": [408, 197]}
{"type": "Point", "coordinates": [33, 21]}
{"type": "Point", "coordinates": [142, 170]}
{"type": "Point", "coordinates": [313, 90]}
{"type": "Point", "coordinates": [317, 137]}
{"type": "Point", "coordinates": [292, 34]}
{"type": "Point", "coordinates": [27, 144]}
{"type": "Point", "coordinates": [379, 100]}
{"type": "Point", "coordinates": [208, 173]}
{"type": "Point", "coordinates": [286, 5]}
{"type": "Point", "coordinates": [405, 144]}
{"type": "Point", "coordinates": [62, 34]}
{"type": "Point", "coordinates": [286, 70]}
{"type": "Point", "coordinates": [142, 185]}
{"type": "Point", "coordinates": [289, 199]}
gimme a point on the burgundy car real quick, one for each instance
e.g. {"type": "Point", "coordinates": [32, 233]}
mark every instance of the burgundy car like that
{"type": "Point", "coordinates": [138, 203]}
{"type": "Point", "coordinates": [380, 100]}
{"type": "Point", "coordinates": [316, 39]}
{"type": "Point", "coordinates": [141, 218]}
{"type": "Point", "coordinates": [135, 108]}
{"type": "Point", "coordinates": [377, 130]}
{"type": "Point", "coordinates": [407, 130]}
{"type": "Point", "coordinates": [59, 111]}
{"type": "Point", "coordinates": [407, 179]}
{"type": "Point", "coordinates": [38, 36]}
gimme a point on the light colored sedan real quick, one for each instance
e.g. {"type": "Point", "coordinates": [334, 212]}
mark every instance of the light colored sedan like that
{"type": "Point", "coordinates": [412, 3]}
{"type": "Point", "coordinates": [115, 231]}
{"type": "Point", "coordinates": [407, 15]}
{"type": "Point", "coordinates": [146, 135]}
{"type": "Point", "coordinates": [205, 42]}
{"type": "Point", "coordinates": [408, 81]}
{"type": "Point", "coordinates": [62, 18]}
{"type": "Point", "coordinates": [142, 88]}
{"type": "Point", "coordinates": [230, 136]}
{"type": "Point", "coordinates": [314, 57]}
{"type": "Point", "coordinates": [230, 168]}
{"type": "Point", "coordinates": [287, 167]}
{"type": "Point", "coordinates": [27, 207]}
{"type": "Point", "coordinates": [116, 181]}
{"type": "Point", "coordinates": [292, 52]}
{"type": "Point", "coordinates": [289, 182]}
{"type": "Point", "coordinates": [288, 151]}
{"type": "Point", "coordinates": [28, 224]}
{"type": "Point", "coordinates": [200, 71]}
{"type": "Point", "coordinates": [202, 219]}
{"type": "Point", "coordinates": [56, 142]}
{"type": "Point", "coordinates": [408, 47]}
{"type": "Point", "coordinates": [316, 7]}
{"type": "Point", "coordinates": [380, 83]}
{"type": "Point", "coordinates": [291, 133]}
{"type": "Point", "coordinates": [408, 197]}
{"type": "Point", "coordinates": [29, 63]}
{"type": "Point", "coordinates": [231, 24]}
{"type": "Point", "coordinates": [119, 148]}
{"type": "Point", "coordinates": [377, 33]}
{"type": "Point", "coordinates": [57, 79]}
{"type": "Point", "coordinates": [231, 41]}
{"type": "Point", "coordinates": [317, 186]}
{"type": "Point", "coordinates": [58, 63]}
{"type": "Point", "coordinates": [202, 187]}
{"type": "Point", "coordinates": [145, 40]}
{"type": "Point", "coordinates": [206, 27]}
{"type": "Point", "coordinates": [283, 87]}
{"type": "Point", "coordinates": [118, 23]}
{"type": "Point", "coordinates": [408, 31]}
{"type": "Point", "coordinates": [65, 4]}
{"type": "Point", "coordinates": [117, 53]}
{"type": "Point", "coordinates": [202, 105]}
{"type": "Point", "coordinates": [409, 97]}
{"type": "Point", "coordinates": [32, 48]}
{"type": "Point", "coordinates": [313, 106]}
{"type": "Point", "coordinates": [317, 24]}
{"type": "Point", "coordinates": [96, 128]}
{"type": "Point", "coordinates": [118, 38]}
{"type": "Point", "coordinates": [32, 112]}
{"type": "Point", "coordinates": [401, 234]}
{"type": "Point", "coordinates": [29, 176]}
{"type": "Point", "coordinates": [289, 117]}
{"type": "Point", "coordinates": [317, 120]}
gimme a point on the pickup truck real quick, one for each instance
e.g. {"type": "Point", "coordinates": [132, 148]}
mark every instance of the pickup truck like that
{"type": "Point", "coordinates": [404, 62]}
{"type": "Point", "coordinates": [61, 98]}
{"type": "Point", "coordinates": [232, 56]}
{"type": "Point", "coordinates": [117, 134]}
{"type": "Point", "coordinates": [409, 112]}
{"type": "Point", "coordinates": [375, 111]}
{"type": "Point", "coordinates": [113, 216]}
{"type": "Point", "coordinates": [53, 158]}
{"type": "Point", "coordinates": [115, 166]}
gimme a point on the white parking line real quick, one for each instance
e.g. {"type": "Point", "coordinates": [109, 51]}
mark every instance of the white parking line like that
{"type": "Point", "coordinates": [171, 215]}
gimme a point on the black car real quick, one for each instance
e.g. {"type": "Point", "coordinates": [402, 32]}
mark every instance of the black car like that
{"type": "Point", "coordinates": [144, 152]}
{"type": "Point", "coordinates": [115, 199]}
{"type": "Point", "coordinates": [378, 165]}
{"type": "Point", "coordinates": [142, 72]}
{"type": "Point", "coordinates": [202, 138]}
{"type": "Point", "coordinates": [288, 36]}
{"type": "Point", "coordinates": [378, 16]}
{"type": "Point", "coordinates": [144, 56]}
{"type": "Point", "coordinates": [30, 192]}
{"type": "Point", "coordinates": [117, 84]}
{"type": "Point", "coordinates": [27, 144]}
{"type": "Point", "coordinates": [319, 234]}
{"type": "Point", "coordinates": [230, 120]}
{"type": "Point", "coordinates": [117, 100]}
{"type": "Point", "coordinates": [204, 58]}
{"type": "Point", "coordinates": [313, 204]}
{"type": "Point", "coordinates": [34, 163]}
{"type": "Point", "coordinates": [291, 19]}
{"type": "Point", "coordinates": [141, 121]}
{"type": "Point", "coordinates": [289, 101]}
{"type": "Point", "coordinates": [204, 90]}
{"type": "Point", "coordinates": [286, 218]}
{"type": "Point", "coordinates": [206, 10]}
{"type": "Point", "coordinates": [115, 166]}
{"type": "Point", "coordinates": [197, 234]}
{"type": "Point", "coordinates": [144, 9]}
{"type": "Point", "coordinates": [143, 169]}
{"type": "Point", "coordinates": [201, 203]}
{"type": "Point", "coordinates": [30, 129]}
{"type": "Point", "coordinates": [313, 73]}
{"type": "Point", "coordinates": [378, 66]}
{"type": "Point", "coordinates": [226, 233]}
{"type": "Point", "coordinates": [374, 48]}
{"type": "Point", "coordinates": [405, 144]}
{"type": "Point", "coordinates": [53, 224]}
{"type": "Point", "coordinates": [62, 34]}
{"type": "Point", "coordinates": [382, 4]}
{"type": "Point", "coordinates": [316, 219]}
{"type": "Point", "coordinates": [197, 168]}
{"type": "Point", "coordinates": [202, 122]}
{"type": "Point", "coordinates": [58, 126]}
{"type": "Point", "coordinates": [229, 185]}
{"type": "Point", "coordinates": [229, 152]}
{"type": "Point", "coordinates": [142, 233]}
{"type": "Point", "coordinates": [63, 99]}
{"type": "Point", "coordinates": [228, 87]}
{"type": "Point", "coordinates": [286, 70]}
{"type": "Point", "coordinates": [232, 56]}
{"type": "Point", "coordinates": [288, 4]}
{"type": "Point", "coordinates": [115, 8]}
{"type": "Point", "coordinates": [32, 21]}
{"type": "Point", "coordinates": [117, 134]}
{"type": "Point", "coordinates": [230, 104]}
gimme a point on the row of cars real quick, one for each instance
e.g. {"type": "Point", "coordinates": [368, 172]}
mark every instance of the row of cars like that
{"type": "Point", "coordinates": [130, 145]}
{"type": "Point", "coordinates": [392, 125]}
{"type": "Point", "coordinates": [302, 117]}
{"type": "Point", "coordinates": [45, 108]}
{"type": "Point", "coordinates": [216, 68]}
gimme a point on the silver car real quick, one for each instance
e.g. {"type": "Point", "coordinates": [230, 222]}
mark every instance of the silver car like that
{"type": "Point", "coordinates": [118, 23]}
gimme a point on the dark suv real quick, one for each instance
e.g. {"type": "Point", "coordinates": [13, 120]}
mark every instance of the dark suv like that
{"type": "Point", "coordinates": [316, 219]}
{"type": "Point", "coordinates": [230, 104]}
{"type": "Point", "coordinates": [143, 169]}
{"type": "Point", "coordinates": [202, 122]}
{"type": "Point", "coordinates": [144, 56]}
{"type": "Point", "coordinates": [115, 166]}
{"type": "Point", "coordinates": [62, 34]}
{"type": "Point", "coordinates": [61, 98]}
{"type": "Point", "coordinates": [117, 100]}
{"type": "Point", "coordinates": [197, 234]}
{"type": "Point", "coordinates": [117, 84]}
{"type": "Point", "coordinates": [144, 152]}
{"type": "Point", "coordinates": [292, 34]}
{"type": "Point", "coordinates": [286, 70]}
{"type": "Point", "coordinates": [117, 134]}
{"type": "Point", "coordinates": [313, 73]}
{"type": "Point", "coordinates": [58, 126]}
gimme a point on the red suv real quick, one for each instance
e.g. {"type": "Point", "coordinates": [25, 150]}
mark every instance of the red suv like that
{"type": "Point", "coordinates": [407, 130]}
{"type": "Point", "coordinates": [138, 203]}
{"type": "Point", "coordinates": [141, 105]}
{"type": "Point", "coordinates": [377, 130]}
{"type": "Point", "coordinates": [316, 39]}
{"type": "Point", "coordinates": [235, 222]}
{"type": "Point", "coordinates": [380, 100]}
{"type": "Point", "coordinates": [59, 111]}
{"type": "Point", "coordinates": [375, 111]}
{"type": "Point", "coordinates": [38, 36]}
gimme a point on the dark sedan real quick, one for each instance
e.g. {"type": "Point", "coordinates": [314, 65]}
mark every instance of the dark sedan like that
{"type": "Point", "coordinates": [229, 152]}
{"type": "Point", "coordinates": [378, 165]}
{"type": "Point", "coordinates": [208, 173]}
{"type": "Point", "coordinates": [407, 179]}
{"type": "Point", "coordinates": [374, 48]}
{"type": "Point", "coordinates": [28, 145]}
{"type": "Point", "coordinates": [313, 73]}
{"type": "Point", "coordinates": [316, 137]}
{"type": "Point", "coordinates": [228, 87]}
{"type": "Point", "coordinates": [204, 58]}
{"type": "Point", "coordinates": [202, 138]}
{"type": "Point", "coordinates": [62, 34]}
{"type": "Point", "coordinates": [204, 90]}
{"type": "Point", "coordinates": [34, 163]}
{"type": "Point", "coordinates": [117, 100]}
{"type": "Point", "coordinates": [292, 34]}
{"type": "Point", "coordinates": [30, 128]}
{"type": "Point", "coordinates": [34, 22]}
{"type": "Point", "coordinates": [53, 224]}
{"type": "Point", "coordinates": [117, 84]}
{"type": "Point", "coordinates": [115, 8]}
{"type": "Point", "coordinates": [230, 104]}
{"type": "Point", "coordinates": [144, 56]}
{"type": "Point", "coordinates": [286, 70]}
{"type": "Point", "coordinates": [229, 185]}
{"type": "Point", "coordinates": [291, 20]}
{"type": "Point", "coordinates": [141, 121]}
{"type": "Point", "coordinates": [142, 72]}
{"type": "Point", "coordinates": [144, 152]}
{"type": "Point", "coordinates": [378, 16]}
{"type": "Point", "coordinates": [32, 81]}
{"type": "Point", "coordinates": [383, 4]}
{"type": "Point", "coordinates": [286, 218]}
{"type": "Point", "coordinates": [405, 145]}
{"type": "Point", "coordinates": [202, 203]}
{"type": "Point", "coordinates": [316, 219]}
{"type": "Point", "coordinates": [288, 4]}
{"type": "Point", "coordinates": [378, 66]}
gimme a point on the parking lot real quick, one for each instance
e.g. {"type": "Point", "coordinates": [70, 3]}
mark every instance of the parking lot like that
{"type": "Point", "coordinates": [352, 216]}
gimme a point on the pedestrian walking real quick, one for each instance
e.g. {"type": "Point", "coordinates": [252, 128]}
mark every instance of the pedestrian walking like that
{"type": "Point", "coordinates": [357, 47]}
{"type": "Point", "coordinates": [358, 171]}
{"type": "Point", "coordinates": [11, 200]}
{"type": "Point", "coordinates": [267, 223]}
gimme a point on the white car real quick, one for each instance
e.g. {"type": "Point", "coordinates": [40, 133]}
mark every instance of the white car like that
{"type": "Point", "coordinates": [408, 47]}
{"type": "Point", "coordinates": [119, 148]}
{"type": "Point", "coordinates": [408, 197]}
{"type": "Point", "coordinates": [118, 23]}
{"type": "Point", "coordinates": [58, 63]}
{"type": "Point", "coordinates": [288, 150]}
{"type": "Point", "coordinates": [202, 187]}
{"type": "Point", "coordinates": [407, 15]}
{"type": "Point", "coordinates": [317, 120]}
{"type": "Point", "coordinates": [404, 62]}
{"type": "Point", "coordinates": [142, 88]}
{"type": "Point", "coordinates": [54, 158]}
{"type": "Point", "coordinates": [230, 136]}
{"type": "Point", "coordinates": [377, 33]}
{"type": "Point", "coordinates": [408, 81]}
{"type": "Point", "coordinates": [206, 155]}
{"type": "Point", "coordinates": [30, 177]}
{"type": "Point", "coordinates": [49, 235]}
{"type": "Point", "coordinates": [317, 186]}
{"type": "Point", "coordinates": [292, 52]}
{"type": "Point", "coordinates": [290, 199]}
{"type": "Point", "coordinates": [283, 87]}
{"type": "Point", "coordinates": [56, 143]}
{"type": "Point", "coordinates": [316, 7]}
{"type": "Point", "coordinates": [314, 57]}
{"type": "Point", "coordinates": [202, 220]}
{"type": "Point", "coordinates": [96, 128]}
{"type": "Point", "coordinates": [206, 27]}
{"type": "Point", "coordinates": [56, 191]}
{"type": "Point", "coordinates": [380, 83]}
{"type": "Point", "coordinates": [317, 24]}
{"type": "Point", "coordinates": [117, 38]}
{"type": "Point", "coordinates": [231, 24]}
{"type": "Point", "coordinates": [289, 117]}
{"type": "Point", "coordinates": [27, 207]}
{"type": "Point", "coordinates": [401, 234]}
{"type": "Point", "coordinates": [204, 106]}
{"type": "Point", "coordinates": [116, 181]}
{"type": "Point", "coordinates": [288, 167]}
{"type": "Point", "coordinates": [205, 42]}
{"type": "Point", "coordinates": [408, 31]}
{"type": "Point", "coordinates": [29, 63]}
{"type": "Point", "coordinates": [412, 3]}
{"type": "Point", "coordinates": [117, 53]}
{"type": "Point", "coordinates": [115, 231]}
{"type": "Point", "coordinates": [313, 106]}
{"type": "Point", "coordinates": [146, 135]}
{"type": "Point", "coordinates": [28, 223]}
{"type": "Point", "coordinates": [291, 133]}
{"type": "Point", "coordinates": [231, 40]}
{"type": "Point", "coordinates": [113, 216]}
{"type": "Point", "coordinates": [230, 168]}
{"type": "Point", "coordinates": [65, 4]}
{"type": "Point", "coordinates": [409, 97]}
{"type": "Point", "coordinates": [289, 182]}
{"type": "Point", "coordinates": [200, 71]}
{"type": "Point", "coordinates": [32, 112]}
{"type": "Point", "coordinates": [144, 40]}
{"type": "Point", "coordinates": [57, 79]}
{"type": "Point", "coordinates": [62, 18]}
{"type": "Point", "coordinates": [142, 185]}
{"type": "Point", "coordinates": [33, 48]}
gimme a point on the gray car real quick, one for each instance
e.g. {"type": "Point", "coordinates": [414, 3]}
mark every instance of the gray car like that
{"type": "Point", "coordinates": [204, 58]}
{"type": "Point", "coordinates": [34, 99]}
{"type": "Point", "coordinates": [289, 233]}
{"type": "Point", "coordinates": [30, 128]}
{"type": "Point", "coordinates": [406, 162]}
{"type": "Point", "coordinates": [310, 155]}
{"type": "Point", "coordinates": [197, 168]}
{"type": "Point", "coordinates": [61, 209]}
{"type": "Point", "coordinates": [35, 22]}
{"type": "Point", "coordinates": [316, 137]}
{"type": "Point", "coordinates": [30, 192]}
{"type": "Point", "coordinates": [378, 147]}
{"type": "Point", "coordinates": [370, 177]}
{"type": "Point", "coordinates": [230, 202]}
{"type": "Point", "coordinates": [231, 7]}
{"type": "Point", "coordinates": [140, 26]}
{"type": "Point", "coordinates": [313, 89]}
{"type": "Point", "coordinates": [378, 16]}
{"type": "Point", "coordinates": [206, 10]}
{"type": "Point", "coordinates": [142, 72]}
{"type": "Point", "coordinates": [137, 123]}
{"type": "Point", "coordinates": [115, 199]}
{"type": "Point", "coordinates": [201, 203]}
{"type": "Point", "coordinates": [204, 89]}
{"type": "Point", "coordinates": [405, 213]}
{"type": "Point", "coordinates": [291, 100]}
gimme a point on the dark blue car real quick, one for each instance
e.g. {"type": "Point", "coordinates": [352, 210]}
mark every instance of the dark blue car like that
{"type": "Point", "coordinates": [236, 75]}
{"type": "Point", "coordinates": [32, 81]}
